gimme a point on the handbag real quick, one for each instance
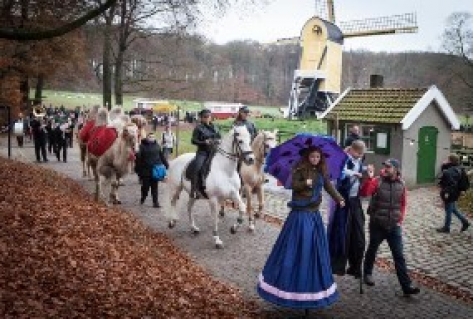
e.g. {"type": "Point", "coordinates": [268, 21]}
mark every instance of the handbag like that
{"type": "Point", "coordinates": [158, 172]}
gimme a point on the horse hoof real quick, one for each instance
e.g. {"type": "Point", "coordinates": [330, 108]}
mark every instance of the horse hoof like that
{"type": "Point", "coordinates": [171, 224]}
{"type": "Point", "coordinates": [221, 213]}
{"type": "Point", "coordinates": [219, 245]}
{"type": "Point", "coordinates": [233, 230]}
{"type": "Point", "coordinates": [195, 231]}
{"type": "Point", "coordinates": [251, 228]}
{"type": "Point", "coordinates": [118, 202]}
{"type": "Point", "coordinates": [256, 215]}
{"type": "Point", "coordinates": [84, 174]}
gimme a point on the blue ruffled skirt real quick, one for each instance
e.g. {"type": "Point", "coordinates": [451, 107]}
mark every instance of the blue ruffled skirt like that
{"type": "Point", "coordinates": [298, 272]}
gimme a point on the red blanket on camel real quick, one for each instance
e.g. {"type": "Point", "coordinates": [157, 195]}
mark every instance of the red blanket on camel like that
{"type": "Point", "coordinates": [85, 132]}
{"type": "Point", "coordinates": [101, 139]}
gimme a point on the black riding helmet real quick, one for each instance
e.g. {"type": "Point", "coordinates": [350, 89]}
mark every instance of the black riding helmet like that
{"type": "Point", "coordinates": [244, 109]}
{"type": "Point", "coordinates": [204, 112]}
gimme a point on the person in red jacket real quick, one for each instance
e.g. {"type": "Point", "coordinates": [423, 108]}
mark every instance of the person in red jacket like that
{"type": "Point", "coordinates": [387, 211]}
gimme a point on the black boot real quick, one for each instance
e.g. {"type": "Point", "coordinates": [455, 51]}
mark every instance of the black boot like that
{"type": "Point", "coordinates": [195, 187]}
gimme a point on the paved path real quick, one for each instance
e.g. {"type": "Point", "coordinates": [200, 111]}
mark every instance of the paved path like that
{"type": "Point", "coordinates": [445, 257]}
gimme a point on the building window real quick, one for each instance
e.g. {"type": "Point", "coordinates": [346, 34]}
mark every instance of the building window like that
{"type": "Point", "coordinates": [366, 134]}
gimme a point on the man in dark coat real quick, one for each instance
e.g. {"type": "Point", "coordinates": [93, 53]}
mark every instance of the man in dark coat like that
{"type": "Point", "coordinates": [205, 136]}
{"type": "Point", "coordinates": [450, 193]}
{"type": "Point", "coordinates": [60, 142]}
{"type": "Point", "coordinates": [354, 135]}
{"type": "Point", "coordinates": [149, 155]}
{"type": "Point", "coordinates": [50, 135]}
{"type": "Point", "coordinates": [39, 138]}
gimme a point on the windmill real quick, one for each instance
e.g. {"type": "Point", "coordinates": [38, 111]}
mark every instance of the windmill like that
{"type": "Point", "coordinates": [317, 81]}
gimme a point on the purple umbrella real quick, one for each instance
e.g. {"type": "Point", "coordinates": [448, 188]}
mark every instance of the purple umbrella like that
{"type": "Point", "coordinates": [280, 161]}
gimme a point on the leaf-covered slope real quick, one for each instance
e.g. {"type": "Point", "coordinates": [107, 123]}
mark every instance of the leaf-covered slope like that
{"type": "Point", "coordinates": [64, 256]}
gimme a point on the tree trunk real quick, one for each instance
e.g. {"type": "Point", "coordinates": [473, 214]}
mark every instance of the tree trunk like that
{"type": "Point", "coordinates": [25, 92]}
{"type": "Point", "coordinates": [107, 63]}
{"type": "Point", "coordinates": [118, 83]}
{"type": "Point", "coordinates": [39, 89]}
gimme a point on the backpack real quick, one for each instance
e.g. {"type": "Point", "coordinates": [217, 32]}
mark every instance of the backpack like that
{"type": "Point", "coordinates": [463, 183]}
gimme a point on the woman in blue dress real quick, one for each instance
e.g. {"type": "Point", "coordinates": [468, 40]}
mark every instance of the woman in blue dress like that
{"type": "Point", "coordinates": [298, 271]}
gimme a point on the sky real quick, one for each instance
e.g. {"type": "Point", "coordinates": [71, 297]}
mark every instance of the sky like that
{"type": "Point", "coordinates": [285, 18]}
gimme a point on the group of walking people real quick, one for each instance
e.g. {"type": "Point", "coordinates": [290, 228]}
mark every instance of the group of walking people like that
{"type": "Point", "coordinates": [299, 270]}
{"type": "Point", "coordinates": [51, 134]}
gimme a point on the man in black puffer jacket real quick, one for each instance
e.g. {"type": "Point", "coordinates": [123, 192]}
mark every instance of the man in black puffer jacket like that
{"type": "Point", "coordinates": [450, 193]}
{"type": "Point", "coordinates": [149, 154]}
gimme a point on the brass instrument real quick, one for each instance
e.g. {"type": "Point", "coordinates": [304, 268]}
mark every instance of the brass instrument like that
{"type": "Point", "coordinates": [39, 111]}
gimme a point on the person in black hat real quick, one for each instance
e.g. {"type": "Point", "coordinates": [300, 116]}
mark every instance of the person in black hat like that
{"type": "Point", "coordinates": [241, 119]}
{"type": "Point", "coordinates": [205, 135]}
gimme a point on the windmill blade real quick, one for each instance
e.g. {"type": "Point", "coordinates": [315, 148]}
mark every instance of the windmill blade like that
{"type": "Point", "coordinates": [325, 10]}
{"type": "Point", "coordinates": [403, 23]}
{"type": "Point", "coordinates": [288, 41]}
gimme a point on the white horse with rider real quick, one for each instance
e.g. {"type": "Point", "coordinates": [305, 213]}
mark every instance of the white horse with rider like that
{"type": "Point", "coordinates": [222, 182]}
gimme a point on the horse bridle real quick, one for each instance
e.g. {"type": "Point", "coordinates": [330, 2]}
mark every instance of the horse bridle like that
{"type": "Point", "coordinates": [238, 153]}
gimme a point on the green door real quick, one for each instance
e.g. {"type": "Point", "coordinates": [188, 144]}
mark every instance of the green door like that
{"type": "Point", "coordinates": [426, 161]}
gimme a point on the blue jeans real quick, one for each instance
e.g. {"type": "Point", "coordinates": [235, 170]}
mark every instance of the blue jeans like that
{"type": "Point", "coordinates": [394, 239]}
{"type": "Point", "coordinates": [451, 208]}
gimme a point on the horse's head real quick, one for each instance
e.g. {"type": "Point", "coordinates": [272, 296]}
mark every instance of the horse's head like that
{"type": "Point", "coordinates": [269, 141]}
{"type": "Point", "coordinates": [241, 144]}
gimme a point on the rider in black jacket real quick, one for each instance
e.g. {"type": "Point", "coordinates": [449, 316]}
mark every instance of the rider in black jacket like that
{"type": "Point", "coordinates": [205, 136]}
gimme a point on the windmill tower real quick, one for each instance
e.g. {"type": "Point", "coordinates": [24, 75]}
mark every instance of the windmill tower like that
{"type": "Point", "coordinates": [317, 81]}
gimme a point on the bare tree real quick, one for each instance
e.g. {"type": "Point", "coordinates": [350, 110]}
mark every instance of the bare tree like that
{"type": "Point", "coordinates": [457, 41]}
{"type": "Point", "coordinates": [39, 31]}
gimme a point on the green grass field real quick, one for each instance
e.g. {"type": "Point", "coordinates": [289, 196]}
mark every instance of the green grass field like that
{"type": "Point", "coordinates": [286, 128]}
{"type": "Point", "coordinates": [71, 100]}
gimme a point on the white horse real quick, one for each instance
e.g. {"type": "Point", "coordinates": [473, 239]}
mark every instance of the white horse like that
{"type": "Point", "coordinates": [252, 175]}
{"type": "Point", "coordinates": [222, 183]}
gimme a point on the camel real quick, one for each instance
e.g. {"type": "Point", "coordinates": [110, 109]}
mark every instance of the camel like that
{"type": "Point", "coordinates": [110, 166]}
{"type": "Point", "coordinates": [83, 136]}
